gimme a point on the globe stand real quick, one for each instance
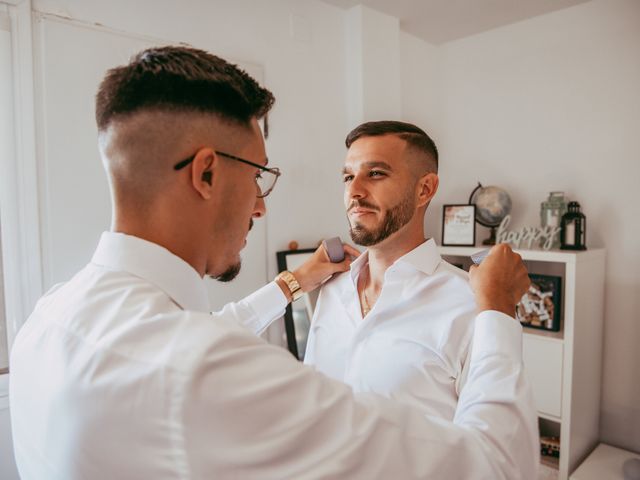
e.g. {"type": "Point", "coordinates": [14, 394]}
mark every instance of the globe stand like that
{"type": "Point", "coordinates": [485, 215]}
{"type": "Point", "coordinates": [492, 237]}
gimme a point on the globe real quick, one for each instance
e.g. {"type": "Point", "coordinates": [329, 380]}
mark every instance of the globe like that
{"type": "Point", "coordinates": [492, 205]}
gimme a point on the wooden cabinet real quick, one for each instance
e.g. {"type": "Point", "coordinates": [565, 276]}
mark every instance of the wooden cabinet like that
{"type": "Point", "coordinates": [564, 367]}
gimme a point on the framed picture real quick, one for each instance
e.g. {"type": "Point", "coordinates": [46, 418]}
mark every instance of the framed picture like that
{"type": "Point", "coordinates": [459, 225]}
{"type": "Point", "coordinates": [298, 315]}
{"type": "Point", "coordinates": [540, 307]}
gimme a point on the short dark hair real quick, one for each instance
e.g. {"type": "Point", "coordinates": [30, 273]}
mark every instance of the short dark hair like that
{"type": "Point", "coordinates": [413, 135]}
{"type": "Point", "coordinates": [181, 78]}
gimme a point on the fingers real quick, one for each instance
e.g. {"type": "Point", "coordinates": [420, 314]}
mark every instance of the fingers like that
{"type": "Point", "coordinates": [323, 253]}
{"type": "Point", "coordinates": [348, 249]}
{"type": "Point", "coordinates": [501, 250]}
{"type": "Point", "coordinates": [351, 254]}
{"type": "Point", "coordinates": [525, 281]}
{"type": "Point", "coordinates": [500, 280]}
{"type": "Point", "coordinates": [344, 265]}
{"type": "Point", "coordinates": [334, 267]}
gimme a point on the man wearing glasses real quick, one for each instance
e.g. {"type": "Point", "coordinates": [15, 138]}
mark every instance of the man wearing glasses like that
{"type": "Point", "coordinates": [121, 373]}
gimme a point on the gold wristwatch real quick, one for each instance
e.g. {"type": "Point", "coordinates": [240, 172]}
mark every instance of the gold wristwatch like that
{"type": "Point", "coordinates": [292, 284]}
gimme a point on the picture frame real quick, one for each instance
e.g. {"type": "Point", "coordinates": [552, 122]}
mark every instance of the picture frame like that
{"type": "Point", "coordinates": [540, 307]}
{"type": "Point", "coordinates": [458, 225]}
{"type": "Point", "coordinates": [298, 314]}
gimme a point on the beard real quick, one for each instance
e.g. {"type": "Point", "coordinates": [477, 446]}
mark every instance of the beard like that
{"type": "Point", "coordinates": [395, 218]}
{"type": "Point", "coordinates": [232, 271]}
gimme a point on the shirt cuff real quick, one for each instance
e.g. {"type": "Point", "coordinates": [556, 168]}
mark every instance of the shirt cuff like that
{"type": "Point", "coordinates": [267, 304]}
{"type": "Point", "coordinates": [497, 333]}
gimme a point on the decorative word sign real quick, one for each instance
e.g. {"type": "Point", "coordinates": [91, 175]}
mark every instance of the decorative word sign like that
{"type": "Point", "coordinates": [526, 236]}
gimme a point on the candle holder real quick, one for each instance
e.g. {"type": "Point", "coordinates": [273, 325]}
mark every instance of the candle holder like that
{"type": "Point", "coordinates": [573, 233]}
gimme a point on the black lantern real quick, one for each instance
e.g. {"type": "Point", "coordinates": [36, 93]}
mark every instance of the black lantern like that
{"type": "Point", "coordinates": [573, 235]}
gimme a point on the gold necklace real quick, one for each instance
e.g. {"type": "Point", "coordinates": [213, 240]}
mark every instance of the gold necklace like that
{"type": "Point", "coordinates": [363, 299]}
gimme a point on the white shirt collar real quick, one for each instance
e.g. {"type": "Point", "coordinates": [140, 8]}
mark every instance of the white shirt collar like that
{"type": "Point", "coordinates": [358, 264]}
{"type": "Point", "coordinates": [424, 257]}
{"type": "Point", "coordinates": [155, 264]}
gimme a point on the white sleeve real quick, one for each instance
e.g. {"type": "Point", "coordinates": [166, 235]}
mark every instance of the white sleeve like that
{"type": "Point", "coordinates": [310, 350]}
{"type": "Point", "coordinates": [258, 310]}
{"type": "Point", "coordinates": [252, 412]}
{"type": "Point", "coordinates": [496, 400]}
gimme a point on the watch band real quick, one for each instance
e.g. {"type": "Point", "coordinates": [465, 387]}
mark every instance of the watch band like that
{"type": "Point", "coordinates": [292, 284]}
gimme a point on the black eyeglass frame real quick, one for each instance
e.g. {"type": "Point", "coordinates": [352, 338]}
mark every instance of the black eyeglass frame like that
{"type": "Point", "coordinates": [274, 170]}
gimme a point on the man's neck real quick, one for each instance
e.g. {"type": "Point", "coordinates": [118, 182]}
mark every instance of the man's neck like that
{"type": "Point", "coordinates": [383, 255]}
{"type": "Point", "coordinates": [177, 242]}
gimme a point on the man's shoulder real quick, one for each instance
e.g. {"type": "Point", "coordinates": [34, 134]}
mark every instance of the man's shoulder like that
{"type": "Point", "coordinates": [337, 283]}
{"type": "Point", "coordinates": [330, 304]}
{"type": "Point", "coordinates": [338, 280]}
{"type": "Point", "coordinates": [192, 337]}
{"type": "Point", "coordinates": [449, 292]}
{"type": "Point", "coordinates": [454, 279]}
{"type": "Point", "coordinates": [98, 285]}
{"type": "Point", "coordinates": [59, 291]}
{"type": "Point", "coordinates": [140, 326]}
{"type": "Point", "coordinates": [454, 271]}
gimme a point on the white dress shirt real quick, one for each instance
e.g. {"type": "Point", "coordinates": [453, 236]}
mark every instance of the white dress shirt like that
{"type": "Point", "coordinates": [414, 344]}
{"type": "Point", "coordinates": [122, 374]}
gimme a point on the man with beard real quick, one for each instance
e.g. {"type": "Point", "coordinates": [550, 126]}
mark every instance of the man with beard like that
{"type": "Point", "coordinates": [400, 323]}
{"type": "Point", "coordinates": [122, 372]}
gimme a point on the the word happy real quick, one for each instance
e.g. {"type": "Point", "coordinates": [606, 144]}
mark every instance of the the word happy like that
{"type": "Point", "coordinates": [526, 236]}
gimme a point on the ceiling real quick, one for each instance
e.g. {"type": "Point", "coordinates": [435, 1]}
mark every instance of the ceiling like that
{"type": "Point", "coordinates": [440, 21]}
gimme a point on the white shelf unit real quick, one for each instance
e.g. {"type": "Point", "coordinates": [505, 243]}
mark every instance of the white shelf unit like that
{"type": "Point", "coordinates": [565, 367]}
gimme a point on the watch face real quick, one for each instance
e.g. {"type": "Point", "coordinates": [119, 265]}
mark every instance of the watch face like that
{"type": "Point", "coordinates": [292, 284]}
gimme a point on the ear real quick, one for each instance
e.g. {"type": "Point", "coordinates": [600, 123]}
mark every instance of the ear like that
{"type": "Point", "coordinates": [202, 172]}
{"type": "Point", "coordinates": [427, 188]}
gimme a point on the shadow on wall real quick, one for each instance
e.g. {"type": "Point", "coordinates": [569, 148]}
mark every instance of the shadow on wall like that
{"type": "Point", "coordinates": [620, 424]}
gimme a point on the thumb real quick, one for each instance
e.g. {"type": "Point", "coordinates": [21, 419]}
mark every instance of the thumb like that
{"type": "Point", "coordinates": [472, 270]}
{"type": "Point", "coordinates": [350, 251]}
{"type": "Point", "coordinates": [342, 266]}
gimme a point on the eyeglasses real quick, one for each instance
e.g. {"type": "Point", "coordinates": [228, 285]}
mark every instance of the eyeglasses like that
{"type": "Point", "coordinates": [265, 180]}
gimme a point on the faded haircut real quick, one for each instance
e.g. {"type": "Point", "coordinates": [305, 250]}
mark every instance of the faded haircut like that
{"type": "Point", "coordinates": [414, 136]}
{"type": "Point", "coordinates": [178, 78]}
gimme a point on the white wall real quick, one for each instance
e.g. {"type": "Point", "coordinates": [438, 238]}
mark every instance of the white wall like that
{"type": "Point", "coordinates": [553, 103]}
{"type": "Point", "coordinates": [420, 67]}
{"type": "Point", "coordinates": [372, 65]}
